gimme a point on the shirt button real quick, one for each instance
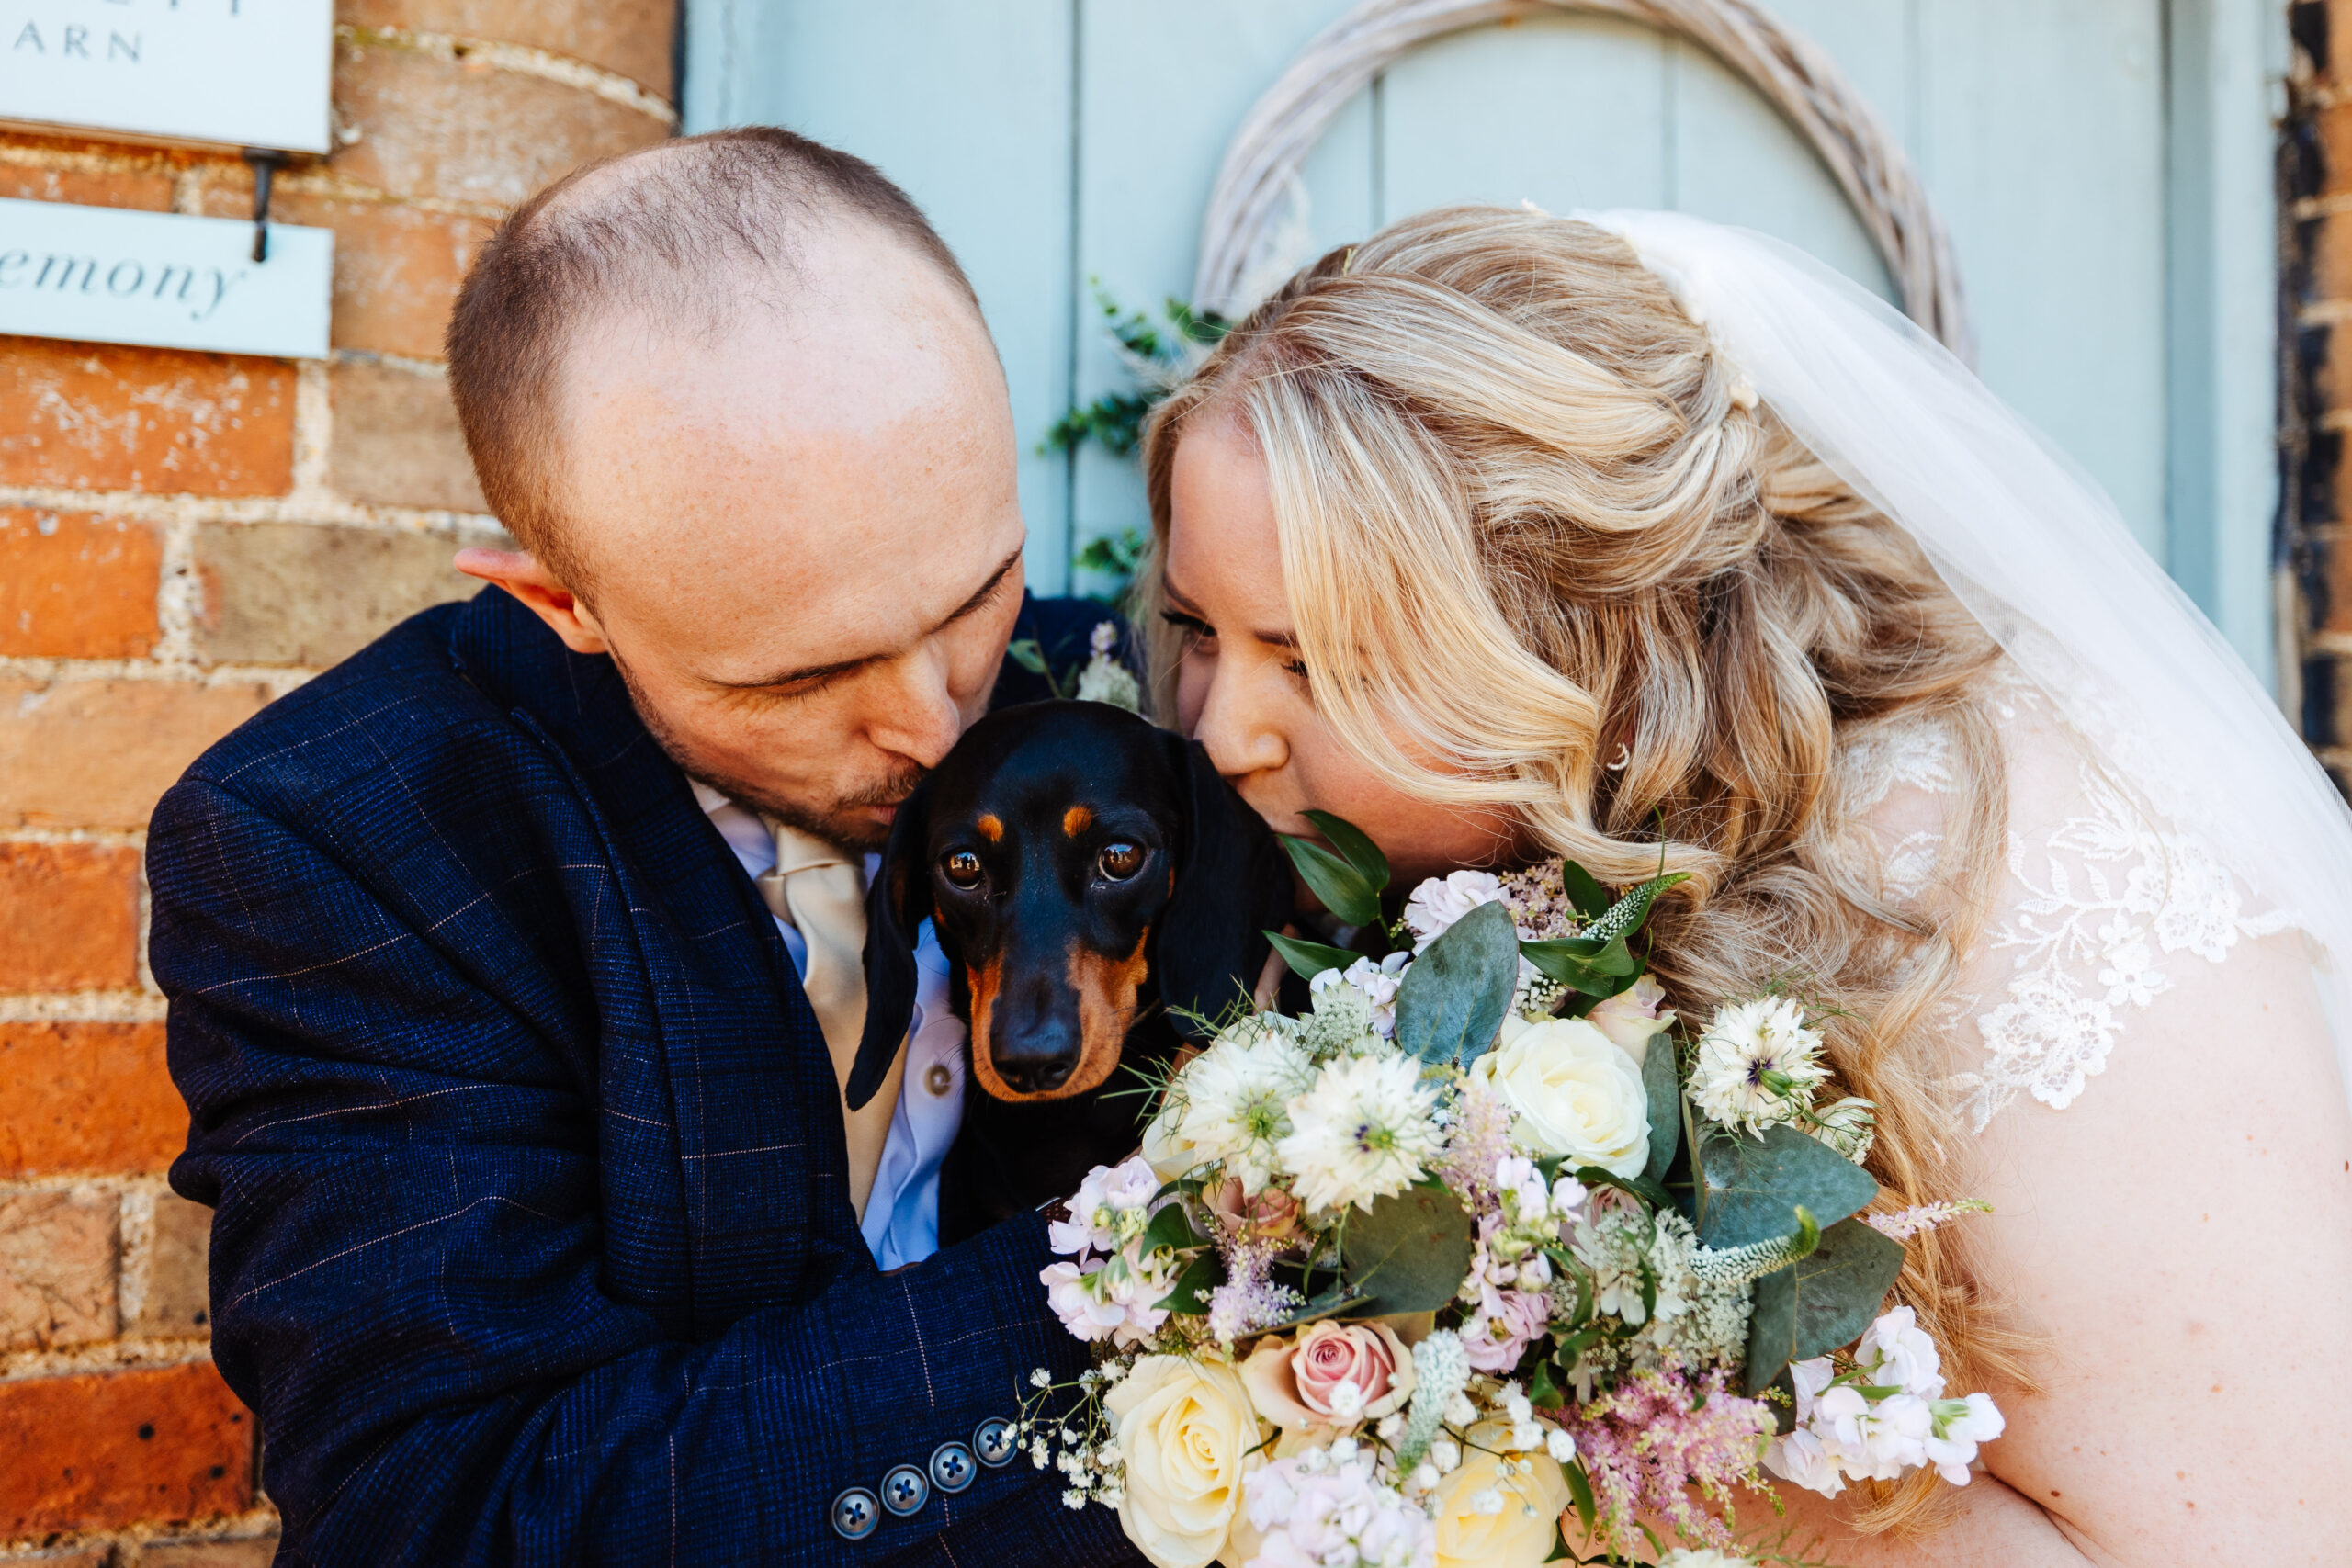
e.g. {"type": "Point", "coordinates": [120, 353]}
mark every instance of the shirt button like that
{"type": "Point", "coordinates": [952, 1467]}
{"type": "Point", "coordinates": [992, 1440]}
{"type": "Point", "coordinates": [855, 1514]}
{"type": "Point", "coordinates": [904, 1489]}
{"type": "Point", "coordinates": [938, 1080]}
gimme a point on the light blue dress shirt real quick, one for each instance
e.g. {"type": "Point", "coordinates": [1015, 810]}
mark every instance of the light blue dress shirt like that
{"type": "Point", "coordinates": [901, 1222]}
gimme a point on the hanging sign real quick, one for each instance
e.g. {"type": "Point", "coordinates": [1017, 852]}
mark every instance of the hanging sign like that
{"type": "Point", "coordinates": [245, 73]}
{"type": "Point", "coordinates": [104, 275]}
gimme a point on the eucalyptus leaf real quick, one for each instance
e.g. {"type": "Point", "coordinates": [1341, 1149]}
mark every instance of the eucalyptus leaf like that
{"type": "Point", "coordinates": [1453, 997]}
{"type": "Point", "coordinates": [1355, 847]}
{"type": "Point", "coordinates": [1308, 959]}
{"type": "Point", "coordinates": [1821, 1302]}
{"type": "Point", "coordinates": [1664, 1089]}
{"type": "Point", "coordinates": [1584, 891]}
{"type": "Point", "coordinates": [1029, 655]}
{"type": "Point", "coordinates": [1410, 1253]}
{"type": "Point", "coordinates": [1745, 1187]}
{"type": "Point", "coordinates": [1339, 884]}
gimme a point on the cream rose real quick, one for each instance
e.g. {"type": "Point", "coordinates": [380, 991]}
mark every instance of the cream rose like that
{"type": "Point", "coordinates": [1520, 1532]}
{"type": "Point", "coordinates": [1296, 1383]}
{"type": "Point", "coordinates": [1186, 1431]}
{"type": "Point", "coordinates": [1632, 1017]}
{"type": "Point", "coordinates": [1572, 1093]}
{"type": "Point", "coordinates": [1170, 1153]}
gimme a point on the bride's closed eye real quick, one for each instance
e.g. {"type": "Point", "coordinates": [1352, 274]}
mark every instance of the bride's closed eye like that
{"type": "Point", "coordinates": [1198, 631]}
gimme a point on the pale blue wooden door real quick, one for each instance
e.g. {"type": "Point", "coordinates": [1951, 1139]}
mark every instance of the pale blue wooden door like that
{"type": "Point", "coordinates": [2101, 164]}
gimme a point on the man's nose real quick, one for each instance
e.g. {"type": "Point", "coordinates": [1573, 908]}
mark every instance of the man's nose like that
{"type": "Point", "coordinates": [915, 715]}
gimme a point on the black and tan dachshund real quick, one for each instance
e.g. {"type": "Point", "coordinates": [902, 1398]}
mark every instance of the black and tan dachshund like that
{"type": "Point", "coordinates": [1087, 873]}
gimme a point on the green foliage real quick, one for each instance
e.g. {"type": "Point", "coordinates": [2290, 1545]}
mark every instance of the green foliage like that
{"type": "Point", "coordinates": [1745, 1187]}
{"type": "Point", "coordinates": [1821, 1302]}
{"type": "Point", "coordinates": [1339, 886]}
{"type": "Point", "coordinates": [1664, 1095]}
{"type": "Point", "coordinates": [1308, 959]}
{"type": "Point", "coordinates": [1349, 875]}
{"type": "Point", "coordinates": [1624, 918]}
{"type": "Point", "coordinates": [1157, 349]}
{"type": "Point", "coordinates": [1203, 1274]}
{"type": "Point", "coordinates": [1410, 1253]}
{"type": "Point", "coordinates": [1740, 1265]}
{"type": "Point", "coordinates": [1116, 557]}
{"type": "Point", "coordinates": [1585, 892]}
{"type": "Point", "coordinates": [1454, 995]}
{"type": "Point", "coordinates": [1330, 1302]}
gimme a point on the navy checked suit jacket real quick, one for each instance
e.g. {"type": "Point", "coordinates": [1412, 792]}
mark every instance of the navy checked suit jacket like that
{"type": "Point", "coordinates": [534, 1241]}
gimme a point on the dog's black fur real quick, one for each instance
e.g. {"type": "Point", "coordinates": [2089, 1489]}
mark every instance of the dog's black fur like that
{"type": "Point", "coordinates": [1067, 969]}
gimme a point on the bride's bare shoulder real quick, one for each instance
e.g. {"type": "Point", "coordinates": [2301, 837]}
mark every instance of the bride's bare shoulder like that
{"type": "Point", "coordinates": [2145, 1090]}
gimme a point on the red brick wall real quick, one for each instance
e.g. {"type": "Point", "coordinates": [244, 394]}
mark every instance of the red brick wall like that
{"type": "Point", "coordinates": [183, 537]}
{"type": "Point", "coordinates": [2315, 332]}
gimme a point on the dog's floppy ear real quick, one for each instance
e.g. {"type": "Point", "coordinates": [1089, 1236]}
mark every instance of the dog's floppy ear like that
{"type": "Point", "coordinates": [1232, 885]}
{"type": "Point", "coordinates": [896, 906]}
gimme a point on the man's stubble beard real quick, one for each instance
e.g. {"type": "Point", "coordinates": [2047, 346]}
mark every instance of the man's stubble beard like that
{"type": "Point", "coordinates": [837, 822]}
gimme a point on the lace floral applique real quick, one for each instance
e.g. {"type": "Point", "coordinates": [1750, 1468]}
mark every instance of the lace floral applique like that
{"type": "Point", "coordinates": [2116, 897]}
{"type": "Point", "coordinates": [1873, 764]}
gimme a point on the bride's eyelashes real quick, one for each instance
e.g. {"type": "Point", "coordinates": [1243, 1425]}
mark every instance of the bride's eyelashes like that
{"type": "Point", "coordinates": [1195, 629]}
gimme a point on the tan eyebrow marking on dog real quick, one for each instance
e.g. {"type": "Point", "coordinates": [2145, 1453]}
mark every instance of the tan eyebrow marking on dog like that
{"type": "Point", "coordinates": [990, 829]}
{"type": "Point", "coordinates": [1077, 820]}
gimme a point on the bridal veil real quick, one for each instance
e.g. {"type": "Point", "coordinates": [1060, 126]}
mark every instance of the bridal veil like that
{"type": "Point", "coordinates": [2041, 557]}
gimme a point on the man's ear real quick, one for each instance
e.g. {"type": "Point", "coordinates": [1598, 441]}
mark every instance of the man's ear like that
{"type": "Point", "coordinates": [520, 573]}
{"type": "Point", "coordinates": [1232, 885]}
{"type": "Point", "coordinates": [896, 906]}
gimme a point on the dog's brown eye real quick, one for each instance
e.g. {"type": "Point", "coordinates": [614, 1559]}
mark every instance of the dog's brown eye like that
{"type": "Point", "coordinates": [1121, 860]}
{"type": "Point", "coordinates": [962, 867]}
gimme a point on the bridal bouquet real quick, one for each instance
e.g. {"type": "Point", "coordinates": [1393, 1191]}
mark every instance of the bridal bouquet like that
{"type": "Point", "coordinates": [1484, 1241]}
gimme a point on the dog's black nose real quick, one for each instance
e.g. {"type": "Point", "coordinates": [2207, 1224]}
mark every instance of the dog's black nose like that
{"type": "Point", "coordinates": [1036, 1075]}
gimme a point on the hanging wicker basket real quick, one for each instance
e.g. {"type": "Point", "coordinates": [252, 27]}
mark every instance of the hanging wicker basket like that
{"type": "Point", "coordinates": [1259, 182]}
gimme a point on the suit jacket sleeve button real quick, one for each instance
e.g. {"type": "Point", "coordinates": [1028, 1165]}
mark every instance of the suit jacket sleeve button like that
{"type": "Point", "coordinates": [904, 1490]}
{"type": "Point", "coordinates": [855, 1515]}
{"type": "Point", "coordinates": [994, 1441]}
{"type": "Point", "coordinates": [952, 1467]}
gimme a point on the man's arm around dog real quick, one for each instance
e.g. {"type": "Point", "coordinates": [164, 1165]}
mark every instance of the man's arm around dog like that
{"type": "Point", "coordinates": [534, 1242]}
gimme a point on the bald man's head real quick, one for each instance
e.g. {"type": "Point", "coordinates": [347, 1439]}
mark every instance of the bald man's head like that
{"type": "Point", "coordinates": [679, 241]}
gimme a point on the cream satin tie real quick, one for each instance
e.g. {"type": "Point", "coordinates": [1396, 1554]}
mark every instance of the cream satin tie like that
{"type": "Point", "coordinates": [820, 890]}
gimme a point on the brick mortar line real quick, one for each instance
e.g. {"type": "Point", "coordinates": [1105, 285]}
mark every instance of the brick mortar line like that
{"type": "Point", "coordinates": [280, 678]}
{"type": "Point", "coordinates": [253, 1524]}
{"type": "Point", "coordinates": [317, 178]}
{"type": "Point", "coordinates": [123, 1184]}
{"type": "Point", "coordinates": [2325, 312]}
{"type": "Point", "coordinates": [110, 838]}
{"type": "Point", "coordinates": [520, 59]}
{"type": "Point", "coordinates": [109, 1356]}
{"type": "Point", "coordinates": [145, 506]}
{"type": "Point", "coordinates": [2337, 643]}
{"type": "Point", "coordinates": [82, 1006]}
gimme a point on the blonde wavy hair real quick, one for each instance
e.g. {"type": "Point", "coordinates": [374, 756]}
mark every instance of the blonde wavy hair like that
{"type": "Point", "coordinates": [1527, 517]}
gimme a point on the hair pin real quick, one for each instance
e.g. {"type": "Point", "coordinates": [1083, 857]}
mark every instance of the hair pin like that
{"type": "Point", "coordinates": [1624, 757]}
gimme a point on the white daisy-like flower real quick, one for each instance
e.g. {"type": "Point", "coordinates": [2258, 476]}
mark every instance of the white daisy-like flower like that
{"type": "Point", "coordinates": [1363, 1131]}
{"type": "Point", "coordinates": [1758, 1063]}
{"type": "Point", "coordinates": [1236, 1102]}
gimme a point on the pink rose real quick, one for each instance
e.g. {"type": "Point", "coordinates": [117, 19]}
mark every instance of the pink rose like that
{"type": "Point", "coordinates": [1332, 1374]}
{"type": "Point", "coordinates": [1631, 1017]}
{"type": "Point", "coordinates": [1271, 1215]}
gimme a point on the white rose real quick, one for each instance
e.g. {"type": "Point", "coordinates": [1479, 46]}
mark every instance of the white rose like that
{"type": "Point", "coordinates": [1572, 1093]}
{"type": "Point", "coordinates": [1518, 1535]}
{"type": "Point", "coordinates": [1186, 1431]}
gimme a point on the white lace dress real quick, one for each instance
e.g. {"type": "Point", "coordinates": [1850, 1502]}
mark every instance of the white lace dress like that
{"type": "Point", "coordinates": [2101, 904]}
